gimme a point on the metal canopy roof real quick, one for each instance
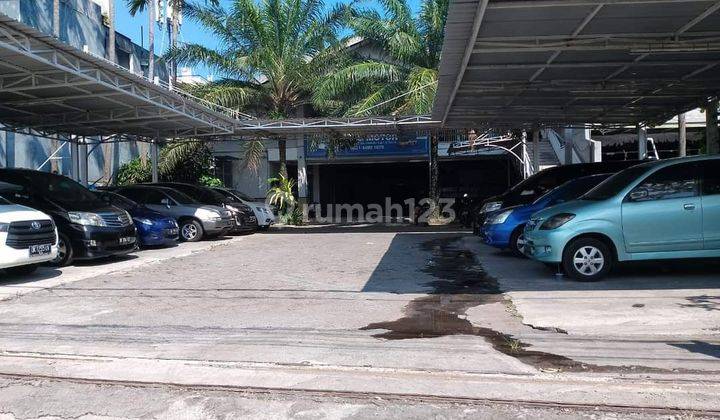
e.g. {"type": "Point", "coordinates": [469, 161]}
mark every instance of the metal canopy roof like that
{"type": "Point", "coordinates": [49, 88]}
{"type": "Point", "coordinates": [611, 62]}
{"type": "Point", "coordinates": [54, 88]}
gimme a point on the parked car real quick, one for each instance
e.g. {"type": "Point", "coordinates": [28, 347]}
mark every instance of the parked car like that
{"type": "Point", "coordinates": [263, 212]}
{"type": "Point", "coordinates": [195, 220]}
{"type": "Point", "coordinates": [505, 228]}
{"type": "Point", "coordinates": [243, 216]}
{"type": "Point", "coordinates": [659, 210]}
{"type": "Point", "coordinates": [27, 238]}
{"type": "Point", "coordinates": [153, 228]}
{"type": "Point", "coordinates": [88, 228]}
{"type": "Point", "coordinates": [537, 185]}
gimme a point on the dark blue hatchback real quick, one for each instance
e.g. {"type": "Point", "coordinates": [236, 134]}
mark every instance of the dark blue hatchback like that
{"type": "Point", "coordinates": [503, 228]}
{"type": "Point", "coordinates": [153, 228]}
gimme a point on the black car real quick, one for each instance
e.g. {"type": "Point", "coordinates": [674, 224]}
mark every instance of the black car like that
{"type": "Point", "coordinates": [88, 227]}
{"type": "Point", "coordinates": [244, 217]}
{"type": "Point", "coordinates": [535, 186]}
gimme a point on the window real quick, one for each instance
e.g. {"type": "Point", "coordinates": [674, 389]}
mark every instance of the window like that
{"type": "Point", "coordinates": [154, 197]}
{"type": "Point", "coordinates": [122, 202]}
{"type": "Point", "coordinates": [710, 170]}
{"type": "Point", "coordinates": [677, 181]}
{"type": "Point", "coordinates": [135, 194]}
{"type": "Point", "coordinates": [615, 184]}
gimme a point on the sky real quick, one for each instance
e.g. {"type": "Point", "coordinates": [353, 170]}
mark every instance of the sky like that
{"type": "Point", "coordinates": [136, 27]}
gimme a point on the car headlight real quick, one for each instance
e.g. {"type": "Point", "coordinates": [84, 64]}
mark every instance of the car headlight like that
{"type": "Point", "coordinates": [499, 218]}
{"type": "Point", "coordinates": [144, 221]}
{"type": "Point", "coordinates": [557, 221]}
{"type": "Point", "coordinates": [86, 219]}
{"type": "Point", "coordinates": [491, 206]}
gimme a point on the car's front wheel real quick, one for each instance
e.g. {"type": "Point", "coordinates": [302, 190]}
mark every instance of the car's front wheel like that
{"type": "Point", "coordinates": [65, 252]}
{"type": "Point", "coordinates": [517, 241]}
{"type": "Point", "coordinates": [587, 259]}
{"type": "Point", "coordinates": [191, 230]}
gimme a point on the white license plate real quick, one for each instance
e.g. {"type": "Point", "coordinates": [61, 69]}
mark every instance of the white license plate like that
{"type": "Point", "coordinates": [39, 250]}
{"type": "Point", "coordinates": [127, 240]}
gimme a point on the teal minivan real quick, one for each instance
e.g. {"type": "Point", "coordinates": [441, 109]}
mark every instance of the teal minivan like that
{"type": "Point", "coordinates": [667, 209]}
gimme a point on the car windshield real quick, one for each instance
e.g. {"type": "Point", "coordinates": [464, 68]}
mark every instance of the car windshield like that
{"type": "Point", "coordinates": [241, 195]}
{"type": "Point", "coordinates": [122, 202]}
{"type": "Point", "coordinates": [179, 197]}
{"type": "Point", "coordinates": [61, 189]}
{"type": "Point", "coordinates": [573, 189]}
{"type": "Point", "coordinates": [616, 183]}
{"type": "Point", "coordinates": [228, 195]}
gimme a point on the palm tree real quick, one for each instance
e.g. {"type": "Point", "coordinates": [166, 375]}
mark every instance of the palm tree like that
{"type": "Point", "coordinates": [135, 7]}
{"type": "Point", "coordinates": [271, 54]}
{"type": "Point", "coordinates": [404, 81]}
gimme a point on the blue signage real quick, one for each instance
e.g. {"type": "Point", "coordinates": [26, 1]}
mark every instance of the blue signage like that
{"type": "Point", "coordinates": [380, 145]}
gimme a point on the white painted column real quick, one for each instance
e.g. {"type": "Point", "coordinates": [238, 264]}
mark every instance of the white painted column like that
{"type": "Point", "coordinates": [536, 150]}
{"type": "Point", "coordinates": [302, 180]}
{"type": "Point", "coordinates": [642, 142]}
{"type": "Point", "coordinates": [568, 146]}
{"type": "Point", "coordinates": [682, 135]}
{"type": "Point", "coordinates": [154, 157]}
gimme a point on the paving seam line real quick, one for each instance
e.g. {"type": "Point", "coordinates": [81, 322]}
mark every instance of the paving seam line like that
{"type": "Point", "coordinates": [361, 396]}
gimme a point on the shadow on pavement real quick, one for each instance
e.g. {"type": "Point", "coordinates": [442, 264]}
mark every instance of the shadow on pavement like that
{"type": "Point", "coordinates": [43, 273]}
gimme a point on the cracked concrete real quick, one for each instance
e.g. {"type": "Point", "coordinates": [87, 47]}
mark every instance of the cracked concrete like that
{"type": "Point", "coordinates": [290, 311]}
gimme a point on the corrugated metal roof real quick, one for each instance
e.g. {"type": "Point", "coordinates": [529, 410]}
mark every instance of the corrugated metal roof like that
{"type": "Point", "coordinates": [612, 62]}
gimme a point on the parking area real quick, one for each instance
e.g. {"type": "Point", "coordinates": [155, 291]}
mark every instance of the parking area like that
{"type": "Point", "coordinates": [424, 312]}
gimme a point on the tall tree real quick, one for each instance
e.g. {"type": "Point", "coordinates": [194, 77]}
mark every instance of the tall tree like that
{"type": "Point", "coordinates": [404, 81]}
{"type": "Point", "coordinates": [137, 6]}
{"type": "Point", "coordinates": [271, 54]}
{"type": "Point", "coordinates": [111, 31]}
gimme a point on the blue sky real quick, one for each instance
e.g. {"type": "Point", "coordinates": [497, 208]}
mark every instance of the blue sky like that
{"type": "Point", "coordinates": [190, 32]}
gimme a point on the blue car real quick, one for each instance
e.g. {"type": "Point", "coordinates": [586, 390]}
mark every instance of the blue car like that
{"type": "Point", "coordinates": [153, 228]}
{"type": "Point", "coordinates": [504, 228]}
{"type": "Point", "coordinates": [667, 209]}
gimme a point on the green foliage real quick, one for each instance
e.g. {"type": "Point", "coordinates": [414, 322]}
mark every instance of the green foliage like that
{"type": "Point", "coordinates": [134, 172]}
{"type": "Point", "coordinates": [182, 161]}
{"type": "Point", "coordinates": [405, 81]}
{"type": "Point", "coordinates": [210, 181]}
{"type": "Point", "coordinates": [281, 193]}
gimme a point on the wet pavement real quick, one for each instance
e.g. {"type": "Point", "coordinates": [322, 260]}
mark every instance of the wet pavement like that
{"type": "Point", "coordinates": [422, 313]}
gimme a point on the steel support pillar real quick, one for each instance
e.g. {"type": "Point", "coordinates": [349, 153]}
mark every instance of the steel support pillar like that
{"type": "Point", "coordinates": [682, 135]}
{"type": "Point", "coordinates": [75, 160]}
{"type": "Point", "coordinates": [316, 184]}
{"type": "Point", "coordinates": [568, 147]}
{"type": "Point", "coordinates": [536, 150]}
{"type": "Point", "coordinates": [83, 162]}
{"type": "Point", "coordinates": [712, 134]}
{"type": "Point", "coordinates": [154, 157]}
{"type": "Point", "coordinates": [642, 142]}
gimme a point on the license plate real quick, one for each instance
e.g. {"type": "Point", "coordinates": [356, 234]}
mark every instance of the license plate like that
{"type": "Point", "coordinates": [39, 250]}
{"type": "Point", "coordinates": [127, 240]}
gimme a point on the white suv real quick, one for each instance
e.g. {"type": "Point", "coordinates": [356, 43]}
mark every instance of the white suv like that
{"type": "Point", "coordinates": [27, 237]}
{"type": "Point", "coordinates": [263, 212]}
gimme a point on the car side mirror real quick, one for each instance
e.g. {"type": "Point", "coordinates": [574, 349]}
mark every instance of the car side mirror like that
{"type": "Point", "coordinates": [639, 194]}
{"type": "Point", "coordinates": [165, 202]}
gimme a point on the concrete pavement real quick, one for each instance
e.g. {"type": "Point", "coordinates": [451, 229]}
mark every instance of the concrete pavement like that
{"type": "Point", "coordinates": [367, 313]}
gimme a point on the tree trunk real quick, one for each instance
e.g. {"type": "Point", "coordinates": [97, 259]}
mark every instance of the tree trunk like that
{"type": "Point", "coordinates": [434, 178]}
{"type": "Point", "coordinates": [56, 18]}
{"type": "Point", "coordinates": [282, 149]}
{"type": "Point", "coordinates": [174, 31]}
{"type": "Point", "coordinates": [151, 39]}
{"type": "Point", "coordinates": [111, 32]}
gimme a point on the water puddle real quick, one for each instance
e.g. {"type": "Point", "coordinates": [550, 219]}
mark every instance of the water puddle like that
{"type": "Point", "coordinates": [461, 284]}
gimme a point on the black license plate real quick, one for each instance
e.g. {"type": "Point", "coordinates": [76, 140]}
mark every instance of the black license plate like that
{"type": "Point", "coordinates": [39, 250]}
